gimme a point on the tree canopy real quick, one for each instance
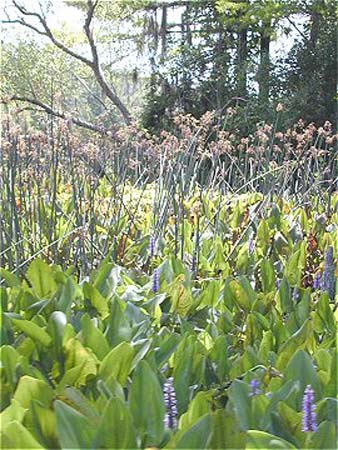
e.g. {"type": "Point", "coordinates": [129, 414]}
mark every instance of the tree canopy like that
{"type": "Point", "coordinates": [141, 60]}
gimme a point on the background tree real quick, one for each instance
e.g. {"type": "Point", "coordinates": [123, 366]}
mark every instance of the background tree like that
{"type": "Point", "coordinates": [194, 55]}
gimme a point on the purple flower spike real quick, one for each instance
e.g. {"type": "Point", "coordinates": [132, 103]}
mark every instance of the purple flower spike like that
{"type": "Point", "coordinates": [328, 278]}
{"type": "Point", "coordinates": [296, 294]}
{"type": "Point", "coordinates": [316, 281]}
{"type": "Point", "coordinates": [152, 244]}
{"type": "Point", "coordinates": [277, 284]}
{"type": "Point", "coordinates": [156, 281]}
{"type": "Point", "coordinates": [254, 386]}
{"type": "Point", "coordinates": [251, 246]}
{"type": "Point", "coordinates": [309, 413]}
{"type": "Point", "coordinates": [170, 419]}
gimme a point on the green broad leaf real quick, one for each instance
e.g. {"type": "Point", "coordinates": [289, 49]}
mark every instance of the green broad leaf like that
{"type": "Point", "coordinates": [240, 295]}
{"type": "Point", "coordinates": [225, 431]}
{"type": "Point", "coordinates": [9, 360]}
{"type": "Point", "coordinates": [296, 341]}
{"type": "Point", "coordinates": [253, 329]}
{"type": "Point", "coordinates": [36, 333]}
{"type": "Point", "coordinates": [93, 338]}
{"type": "Point", "coordinates": [80, 402]}
{"type": "Point", "coordinates": [11, 280]}
{"type": "Point", "coordinates": [181, 299]}
{"type": "Point", "coordinates": [147, 405]}
{"type": "Point", "coordinates": [261, 440]}
{"type": "Point", "coordinates": [259, 405]}
{"type": "Point", "coordinates": [288, 423]}
{"type": "Point", "coordinates": [16, 436]}
{"type": "Point", "coordinates": [116, 429]}
{"type": "Point", "coordinates": [97, 300]}
{"type": "Point", "coordinates": [117, 363]}
{"type": "Point", "coordinates": [119, 328]}
{"type": "Point", "coordinates": [283, 394]}
{"type": "Point", "coordinates": [210, 293]}
{"type": "Point", "coordinates": [324, 320]}
{"type": "Point", "coordinates": [266, 345]}
{"type": "Point", "coordinates": [66, 296]}
{"type": "Point", "coordinates": [13, 412]}
{"type": "Point", "coordinates": [44, 424]}
{"type": "Point", "coordinates": [219, 356]}
{"type": "Point", "coordinates": [166, 348]}
{"type": "Point", "coordinates": [267, 275]}
{"type": "Point", "coordinates": [324, 437]}
{"type": "Point", "coordinates": [198, 407]}
{"type": "Point", "coordinates": [284, 294]}
{"type": "Point", "coordinates": [197, 436]}
{"type": "Point", "coordinates": [250, 292]}
{"type": "Point", "coordinates": [301, 368]}
{"type": "Point", "coordinates": [29, 389]}
{"type": "Point", "coordinates": [76, 376]}
{"type": "Point", "coordinates": [183, 371]}
{"type": "Point", "coordinates": [77, 356]}
{"type": "Point", "coordinates": [331, 388]}
{"type": "Point", "coordinates": [141, 348]}
{"type": "Point", "coordinates": [263, 235]}
{"type": "Point", "coordinates": [327, 409]}
{"type": "Point", "coordinates": [74, 430]}
{"type": "Point", "coordinates": [107, 279]}
{"type": "Point", "coordinates": [239, 396]}
{"type": "Point", "coordinates": [295, 265]}
{"type": "Point", "coordinates": [56, 326]}
{"type": "Point", "coordinates": [41, 277]}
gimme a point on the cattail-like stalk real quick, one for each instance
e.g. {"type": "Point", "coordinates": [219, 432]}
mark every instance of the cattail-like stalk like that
{"type": "Point", "coordinates": [309, 413]}
{"type": "Point", "coordinates": [193, 264]}
{"type": "Point", "coordinates": [328, 277]}
{"type": "Point", "coordinates": [156, 281]}
{"type": "Point", "coordinates": [170, 419]}
{"type": "Point", "coordinates": [152, 244]}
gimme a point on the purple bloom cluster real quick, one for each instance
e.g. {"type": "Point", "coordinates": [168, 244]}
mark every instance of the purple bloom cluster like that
{"type": "Point", "coordinates": [277, 284]}
{"type": "Point", "coordinates": [309, 414]}
{"type": "Point", "coordinates": [316, 281]}
{"type": "Point", "coordinates": [328, 277]}
{"type": "Point", "coordinates": [295, 295]}
{"type": "Point", "coordinates": [170, 419]}
{"type": "Point", "coordinates": [254, 386]}
{"type": "Point", "coordinates": [251, 246]}
{"type": "Point", "coordinates": [156, 281]}
{"type": "Point", "coordinates": [152, 244]}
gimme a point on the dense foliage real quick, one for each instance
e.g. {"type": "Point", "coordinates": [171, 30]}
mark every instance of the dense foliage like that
{"type": "Point", "coordinates": [144, 59]}
{"type": "Point", "coordinates": [169, 233]}
{"type": "Point", "coordinates": [242, 330]}
{"type": "Point", "coordinates": [182, 306]}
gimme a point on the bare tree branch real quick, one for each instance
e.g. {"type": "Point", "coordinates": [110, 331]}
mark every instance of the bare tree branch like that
{"type": "Point", "coordinates": [96, 64]}
{"type": "Point", "coordinates": [53, 112]}
{"type": "Point", "coordinates": [93, 64]}
{"type": "Point", "coordinates": [49, 34]}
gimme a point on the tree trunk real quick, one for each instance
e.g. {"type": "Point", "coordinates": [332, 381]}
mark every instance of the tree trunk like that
{"type": "Point", "coordinates": [242, 62]}
{"type": "Point", "coordinates": [163, 32]}
{"type": "Point", "coordinates": [264, 67]}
